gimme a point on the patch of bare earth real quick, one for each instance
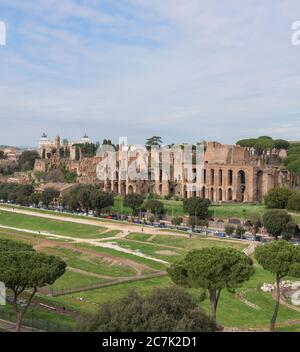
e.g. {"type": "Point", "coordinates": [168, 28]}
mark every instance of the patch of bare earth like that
{"type": "Point", "coordinates": [107, 258]}
{"type": "Point", "coordinates": [166, 252]}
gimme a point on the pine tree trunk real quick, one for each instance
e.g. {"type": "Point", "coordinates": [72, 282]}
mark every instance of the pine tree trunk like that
{"type": "Point", "coordinates": [274, 317]}
{"type": "Point", "coordinates": [18, 321]}
{"type": "Point", "coordinates": [213, 304]}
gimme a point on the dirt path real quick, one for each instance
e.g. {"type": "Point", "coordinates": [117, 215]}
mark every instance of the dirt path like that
{"type": "Point", "coordinates": [286, 304]}
{"type": "Point", "coordinates": [108, 284]}
{"type": "Point", "coordinates": [110, 259]}
{"type": "Point", "coordinates": [95, 242]}
{"type": "Point", "coordinates": [250, 249]}
{"type": "Point", "coordinates": [88, 273]}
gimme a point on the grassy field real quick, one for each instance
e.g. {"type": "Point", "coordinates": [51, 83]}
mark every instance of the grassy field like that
{"type": "Point", "coordinates": [153, 250]}
{"type": "Point", "coordinates": [90, 263]}
{"type": "Point", "coordinates": [83, 301]}
{"type": "Point", "coordinates": [36, 223]}
{"type": "Point", "coordinates": [41, 318]}
{"type": "Point", "coordinates": [152, 265]}
{"type": "Point", "coordinates": [232, 312]}
{"type": "Point", "coordinates": [75, 280]}
{"type": "Point", "coordinates": [184, 243]}
{"type": "Point", "coordinates": [241, 211]}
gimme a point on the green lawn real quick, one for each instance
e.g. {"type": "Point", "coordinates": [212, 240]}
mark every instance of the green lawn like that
{"type": "Point", "coordinates": [231, 311]}
{"type": "Point", "coordinates": [243, 211]}
{"type": "Point", "coordinates": [41, 318]}
{"type": "Point", "coordinates": [106, 294]}
{"type": "Point", "coordinates": [72, 279]}
{"type": "Point", "coordinates": [234, 313]}
{"type": "Point", "coordinates": [19, 236]}
{"type": "Point", "coordinates": [152, 265]}
{"type": "Point", "coordinates": [36, 223]}
{"type": "Point", "coordinates": [90, 263]}
{"type": "Point", "coordinates": [184, 243]}
{"type": "Point", "coordinates": [153, 250]}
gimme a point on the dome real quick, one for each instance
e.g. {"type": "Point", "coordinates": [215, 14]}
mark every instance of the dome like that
{"type": "Point", "coordinates": [85, 139]}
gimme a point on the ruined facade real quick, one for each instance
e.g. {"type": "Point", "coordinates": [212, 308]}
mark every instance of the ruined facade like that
{"type": "Point", "coordinates": [229, 173]}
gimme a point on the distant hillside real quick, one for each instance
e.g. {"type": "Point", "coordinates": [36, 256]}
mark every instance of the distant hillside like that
{"type": "Point", "coordinates": [19, 148]}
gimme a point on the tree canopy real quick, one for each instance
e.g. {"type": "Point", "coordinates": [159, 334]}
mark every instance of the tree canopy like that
{"type": "Point", "coordinates": [294, 202]}
{"type": "Point", "coordinates": [154, 141]}
{"type": "Point", "coordinates": [196, 206]}
{"type": "Point", "coordinates": [24, 269]}
{"type": "Point", "coordinates": [27, 159]}
{"type": "Point", "coordinates": [263, 143]}
{"type": "Point", "coordinates": [212, 269]}
{"type": "Point", "coordinates": [277, 222]}
{"type": "Point", "coordinates": [134, 201]}
{"type": "Point", "coordinates": [156, 207]}
{"type": "Point", "coordinates": [278, 197]}
{"type": "Point", "coordinates": [282, 259]}
{"type": "Point", "coordinates": [164, 310]}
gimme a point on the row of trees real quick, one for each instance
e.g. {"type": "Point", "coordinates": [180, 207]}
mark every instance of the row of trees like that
{"type": "Point", "coordinates": [87, 197]}
{"type": "Point", "coordinates": [24, 194]}
{"type": "Point", "coordinates": [264, 143]}
{"type": "Point", "coordinates": [283, 198]}
{"type": "Point", "coordinates": [215, 269]}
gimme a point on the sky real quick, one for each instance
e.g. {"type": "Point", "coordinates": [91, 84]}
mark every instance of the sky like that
{"type": "Point", "coordinates": [186, 70]}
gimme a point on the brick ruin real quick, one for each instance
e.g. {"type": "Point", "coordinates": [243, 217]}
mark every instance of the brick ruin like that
{"type": "Point", "coordinates": [230, 173]}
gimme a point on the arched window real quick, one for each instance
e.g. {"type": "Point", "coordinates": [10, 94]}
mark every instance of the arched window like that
{"type": "Point", "coordinates": [220, 177]}
{"type": "Point", "coordinates": [212, 194]}
{"type": "Point", "coordinates": [230, 177]}
{"type": "Point", "coordinates": [229, 194]}
{"type": "Point", "coordinates": [220, 194]}
{"type": "Point", "coordinates": [212, 177]}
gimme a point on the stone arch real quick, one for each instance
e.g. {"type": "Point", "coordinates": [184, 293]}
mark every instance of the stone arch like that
{"type": "Point", "coordinates": [211, 196]}
{"type": "Point", "coordinates": [194, 191]}
{"type": "Point", "coordinates": [220, 195]}
{"type": "Point", "coordinates": [241, 185]}
{"type": "Point", "coordinates": [123, 188]}
{"type": "Point", "coordinates": [230, 177]}
{"type": "Point", "coordinates": [229, 194]}
{"type": "Point", "coordinates": [212, 177]}
{"type": "Point", "coordinates": [184, 191]}
{"type": "Point", "coordinates": [130, 189]}
{"type": "Point", "coordinates": [203, 192]}
{"type": "Point", "coordinates": [220, 177]}
{"type": "Point", "coordinates": [194, 172]}
{"type": "Point", "coordinates": [160, 188]}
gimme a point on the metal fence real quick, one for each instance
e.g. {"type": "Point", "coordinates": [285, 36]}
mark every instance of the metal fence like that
{"type": "Point", "coordinates": [35, 324]}
{"type": "Point", "coordinates": [66, 291]}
